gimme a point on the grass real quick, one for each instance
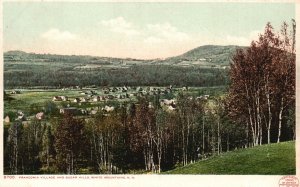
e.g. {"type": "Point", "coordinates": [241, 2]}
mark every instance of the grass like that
{"type": "Point", "coordinates": [273, 159]}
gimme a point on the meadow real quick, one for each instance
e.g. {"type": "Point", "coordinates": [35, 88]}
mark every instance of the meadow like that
{"type": "Point", "coordinates": [262, 160]}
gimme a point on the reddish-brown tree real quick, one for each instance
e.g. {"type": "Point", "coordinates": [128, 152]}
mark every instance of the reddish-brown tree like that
{"type": "Point", "coordinates": [263, 82]}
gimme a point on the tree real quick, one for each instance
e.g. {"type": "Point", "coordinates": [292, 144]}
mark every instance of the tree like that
{"type": "Point", "coordinates": [69, 143]}
{"type": "Point", "coordinates": [263, 83]}
{"type": "Point", "coordinates": [189, 113]}
{"type": "Point", "coordinates": [144, 122]}
{"type": "Point", "coordinates": [33, 134]}
{"type": "Point", "coordinates": [161, 135]}
{"type": "Point", "coordinates": [50, 108]}
{"type": "Point", "coordinates": [47, 151]}
{"type": "Point", "coordinates": [15, 148]}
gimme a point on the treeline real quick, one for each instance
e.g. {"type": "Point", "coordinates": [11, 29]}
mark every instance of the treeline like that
{"type": "Point", "coordinates": [136, 137]}
{"type": "Point", "coordinates": [147, 75]}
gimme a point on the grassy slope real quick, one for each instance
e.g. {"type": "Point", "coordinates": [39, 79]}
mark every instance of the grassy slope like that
{"type": "Point", "coordinates": [273, 159]}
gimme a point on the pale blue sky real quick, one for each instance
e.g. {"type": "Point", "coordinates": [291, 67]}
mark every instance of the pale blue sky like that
{"type": "Point", "coordinates": [138, 30]}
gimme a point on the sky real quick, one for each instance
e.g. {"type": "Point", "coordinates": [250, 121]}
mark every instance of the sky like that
{"type": "Point", "coordinates": [135, 30]}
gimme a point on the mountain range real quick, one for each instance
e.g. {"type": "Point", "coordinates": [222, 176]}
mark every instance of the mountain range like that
{"type": "Point", "coordinates": [207, 55]}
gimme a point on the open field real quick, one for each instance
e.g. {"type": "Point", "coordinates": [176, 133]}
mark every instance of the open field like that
{"type": "Point", "coordinates": [273, 159]}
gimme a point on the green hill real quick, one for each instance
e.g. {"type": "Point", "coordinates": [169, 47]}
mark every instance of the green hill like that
{"type": "Point", "coordinates": [273, 159]}
{"type": "Point", "coordinates": [212, 54]}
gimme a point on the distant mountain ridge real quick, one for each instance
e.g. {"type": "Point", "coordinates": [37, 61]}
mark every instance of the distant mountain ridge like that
{"type": "Point", "coordinates": [203, 55]}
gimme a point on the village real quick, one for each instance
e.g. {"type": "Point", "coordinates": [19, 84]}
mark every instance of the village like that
{"type": "Point", "coordinates": [91, 100]}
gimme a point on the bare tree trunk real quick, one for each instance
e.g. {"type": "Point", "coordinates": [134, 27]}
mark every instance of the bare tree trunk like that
{"type": "Point", "coordinates": [269, 114]}
{"type": "Point", "coordinates": [203, 136]}
{"type": "Point", "coordinates": [219, 138]}
{"type": "Point", "coordinates": [227, 142]}
{"type": "Point", "coordinates": [208, 140]}
{"type": "Point", "coordinates": [280, 120]}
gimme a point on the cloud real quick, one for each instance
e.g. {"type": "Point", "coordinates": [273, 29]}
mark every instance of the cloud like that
{"type": "Point", "coordinates": [243, 40]}
{"type": "Point", "coordinates": [150, 34]}
{"type": "Point", "coordinates": [153, 40]}
{"type": "Point", "coordinates": [166, 31]}
{"type": "Point", "coordinates": [57, 35]}
{"type": "Point", "coordinates": [118, 37]}
{"type": "Point", "coordinates": [120, 25]}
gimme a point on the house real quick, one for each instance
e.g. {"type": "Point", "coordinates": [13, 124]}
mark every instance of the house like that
{"type": "Point", "coordinates": [7, 119]}
{"type": "Point", "coordinates": [60, 98]}
{"type": "Point", "coordinates": [96, 99]}
{"type": "Point", "coordinates": [168, 90]}
{"type": "Point", "coordinates": [110, 97]}
{"type": "Point", "coordinates": [132, 94]}
{"type": "Point", "coordinates": [15, 92]}
{"type": "Point", "coordinates": [119, 96]}
{"type": "Point", "coordinates": [83, 111]}
{"type": "Point", "coordinates": [64, 98]}
{"type": "Point", "coordinates": [40, 115]}
{"type": "Point", "coordinates": [185, 88]}
{"type": "Point", "coordinates": [76, 100]}
{"type": "Point", "coordinates": [108, 108]}
{"type": "Point", "coordinates": [106, 90]}
{"type": "Point", "coordinates": [152, 89]}
{"type": "Point", "coordinates": [84, 99]}
{"type": "Point", "coordinates": [150, 105]}
{"type": "Point", "coordinates": [167, 102]}
{"type": "Point", "coordinates": [171, 108]}
{"type": "Point", "coordinates": [21, 116]}
{"type": "Point", "coordinates": [114, 89]}
{"type": "Point", "coordinates": [139, 89]}
{"type": "Point", "coordinates": [205, 97]}
{"type": "Point", "coordinates": [71, 110]}
{"type": "Point", "coordinates": [93, 92]}
{"type": "Point", "coordinates": [56, 98]}
{"type": "Point", "coordinates": [124, 89]}
{"type": "Point", "coordinates": [93, 112]}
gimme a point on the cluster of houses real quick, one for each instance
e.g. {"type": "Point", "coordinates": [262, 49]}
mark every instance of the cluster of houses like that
{"type": "Point", "coordinates": [205, 97]}
{"type": "Point", "coordinates": [15, 92]}
{"type": "Point", "coordinates": [21, 117]}
{"type": "Point", "coordinates": [110, 94]}
{"type": "Point", "coordinates": [87, 111]}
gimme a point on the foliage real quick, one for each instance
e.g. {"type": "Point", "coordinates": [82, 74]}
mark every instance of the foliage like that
{"type": "Point", "coordinates": [69, 143]}
{"type": "Point", "coordinates": [263, 84]}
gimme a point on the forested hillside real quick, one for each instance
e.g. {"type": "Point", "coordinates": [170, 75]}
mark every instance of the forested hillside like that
{"type": "Point", "coordinates": [204, 66]}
